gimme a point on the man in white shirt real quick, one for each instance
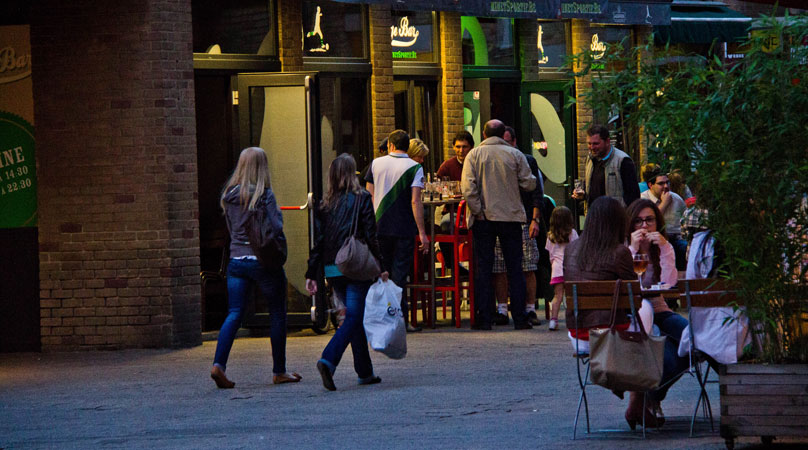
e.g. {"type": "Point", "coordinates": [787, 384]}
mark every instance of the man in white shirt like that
{"type": "Point", "coordinates": [671, 205]}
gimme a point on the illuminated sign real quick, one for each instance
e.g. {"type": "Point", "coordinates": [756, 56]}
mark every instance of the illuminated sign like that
{"type": "Point", "coordinates": [317, 31]}
{"type": "Point", "coordinates": [542, 57]}
{"type": "Point", "coordinates": [405, 31]}
{"type": "Point", "coordinates": [598, 48]}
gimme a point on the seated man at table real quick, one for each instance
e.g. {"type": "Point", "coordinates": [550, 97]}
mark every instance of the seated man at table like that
{"type": "Point", "coordinates": [530, 250]}
{"type": "Point", "coordinates": [451, 169]}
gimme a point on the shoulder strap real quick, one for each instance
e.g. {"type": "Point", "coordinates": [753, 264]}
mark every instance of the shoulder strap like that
{"type": "Point", "coordinates": [355, 219]}
{"type": "Point", "coordinates": [615, 300]}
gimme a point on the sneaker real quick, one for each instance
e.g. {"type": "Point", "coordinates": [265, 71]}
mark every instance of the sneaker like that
{"type": "Point", "coordinates": [412, 329]}
{"type": "Point", "coordinates": [533, 319]}
{"type": "Point", "coordinates": [501, 319]}
{"type": "Point", "coordinates": [553, 324]}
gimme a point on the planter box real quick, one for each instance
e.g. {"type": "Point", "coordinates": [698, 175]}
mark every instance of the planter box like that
{"type": "Point", "coordinates": [763, 400]}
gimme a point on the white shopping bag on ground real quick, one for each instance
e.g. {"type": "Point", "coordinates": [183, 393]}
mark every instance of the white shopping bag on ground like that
{"type": "Point", "coordinates": [384, 322]}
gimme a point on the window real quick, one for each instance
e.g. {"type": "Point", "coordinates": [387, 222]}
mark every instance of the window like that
{"type": "Point", "coordinates": [411, 36]}
{"type": "Point", "coordinates": [243, 27]}
{"type": "Point", "coordinates": [332, 29]}
{"type": "Point", "coordinates": [488, 41]}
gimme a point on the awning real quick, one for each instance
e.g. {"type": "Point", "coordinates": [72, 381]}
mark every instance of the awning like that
{"type": "Point", "coordinates": [624, 12]}
{"type": "Point", "coordinates": [694, 22]}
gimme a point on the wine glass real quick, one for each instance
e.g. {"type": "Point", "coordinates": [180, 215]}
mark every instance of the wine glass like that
{"type": "Point", "coordinates": [640, 264]}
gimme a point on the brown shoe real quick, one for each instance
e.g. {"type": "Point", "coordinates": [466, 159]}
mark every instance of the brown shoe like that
{"type": "Point", "coordinates": [286, 378]}
{"type": "Point", "coordinates": [221, 380]}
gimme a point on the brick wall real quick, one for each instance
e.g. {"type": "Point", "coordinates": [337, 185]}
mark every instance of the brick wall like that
{"type": "Point", "coordinates": [290, 30]}
{"type": "Point", "coordinates": [116, 154]}
{"type": "Point", "coordinates": [451, 56]}
{"type": "Point", "coordinates": [581, 40]}
{"type": "Point", "coordinates": [381, 81]}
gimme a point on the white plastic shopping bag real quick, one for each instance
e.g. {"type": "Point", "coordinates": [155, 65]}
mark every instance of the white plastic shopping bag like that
{"type": "Point", "coordinates": [384, 321]}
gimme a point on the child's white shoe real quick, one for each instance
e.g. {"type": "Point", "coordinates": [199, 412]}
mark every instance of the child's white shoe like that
{"type": "Point", "coordinates": [553, 324]}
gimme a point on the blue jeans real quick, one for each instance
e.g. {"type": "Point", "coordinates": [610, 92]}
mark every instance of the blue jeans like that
{"type": "Point", "coordinates": [671, 325]}
{"type": "Point", "coordinates": [680, 250]}
{"type": "Point", "coordinates": [484, 234]}
{"type": "Point", "coordinates": [241, 273]}
{"type": "Point", "coordinates": [397, 254]}
{"type": "Point", "coordinates": [352, 330]}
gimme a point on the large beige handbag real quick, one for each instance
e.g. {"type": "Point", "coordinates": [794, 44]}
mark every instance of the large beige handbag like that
{"type": "Point", "coordinates": [625, 360]}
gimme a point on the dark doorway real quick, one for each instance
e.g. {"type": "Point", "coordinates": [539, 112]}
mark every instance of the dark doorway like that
{"type": "Point", "coordinates": [214, 162]}
{"type": "Point", "coordinates": [19, 290]}
{"type": "Point", "coordinates": [417, 112]}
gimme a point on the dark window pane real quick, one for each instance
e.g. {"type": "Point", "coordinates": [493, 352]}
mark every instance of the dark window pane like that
{"type": "Point", "coordinates": [488, 41]}
{"type": "Point", "coordinates": [243, 27]}
{"type": "Point", "coordinates": [333, 29]}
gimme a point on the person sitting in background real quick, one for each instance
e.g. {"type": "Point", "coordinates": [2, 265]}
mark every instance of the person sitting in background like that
{"type": "Point", "coordinates": [417, 151]}
{"type": "Point", "coordinates": [678, 184]}
{"type": "Point", "coordinates": [672, 207]}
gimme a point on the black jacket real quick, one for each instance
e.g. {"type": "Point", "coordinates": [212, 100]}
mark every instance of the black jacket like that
{"type": "Point", "coordinates": [333, 226]}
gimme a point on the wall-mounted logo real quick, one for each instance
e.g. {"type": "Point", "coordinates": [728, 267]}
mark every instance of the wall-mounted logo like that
{"type": "Point", "coordinates": [542, 57]}
{"type": "Point", "coordinates": [404, 31]}
{"type": "Point", "coordinates": [619, 15]}
{"type": "Point", "coordinates": [13, 67]}
{"type": "Point", "coordinates": [598, 48]}
{"type": "Point", "coordinates": [317, 31]}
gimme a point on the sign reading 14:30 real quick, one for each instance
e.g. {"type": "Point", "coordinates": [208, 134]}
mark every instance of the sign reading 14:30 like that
{"type": "Point", "coordinates": [17, 173]}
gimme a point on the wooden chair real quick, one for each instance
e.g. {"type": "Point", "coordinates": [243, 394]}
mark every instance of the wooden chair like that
{"type": "Point", "coordinates": [703, 293]}
{"type": "Point", "coordinates": [596, 295]}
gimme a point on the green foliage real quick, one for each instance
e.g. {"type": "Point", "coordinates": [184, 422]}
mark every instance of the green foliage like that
{"type": "Point", "coordinates": [739, 133]}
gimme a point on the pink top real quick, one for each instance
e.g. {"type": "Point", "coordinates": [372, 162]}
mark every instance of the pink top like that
{"type": "Point", "coordinates": [557, 254]}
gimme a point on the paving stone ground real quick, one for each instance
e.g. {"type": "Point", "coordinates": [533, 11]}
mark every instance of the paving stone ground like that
{"type": "Point", "coordinates": [456, 389]}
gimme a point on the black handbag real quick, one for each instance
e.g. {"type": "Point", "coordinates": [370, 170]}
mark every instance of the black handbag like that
{"type": "Point", "coordinates": [354, 259]}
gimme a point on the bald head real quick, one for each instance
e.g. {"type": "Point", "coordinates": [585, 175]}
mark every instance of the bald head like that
{"type": "Point", "coordinates": [493, 128]}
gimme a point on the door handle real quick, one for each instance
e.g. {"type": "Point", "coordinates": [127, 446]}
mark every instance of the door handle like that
{"type": "Point", "coordinates": [309, 199]}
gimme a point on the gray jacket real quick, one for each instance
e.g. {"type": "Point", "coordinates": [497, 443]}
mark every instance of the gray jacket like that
{"type": "Point", "coordinates": [493, 175]}
{"type": "Point", "coordinates": [236, 218]}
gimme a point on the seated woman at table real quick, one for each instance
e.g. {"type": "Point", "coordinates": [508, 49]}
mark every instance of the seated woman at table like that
{"type": "Point", "coordinates": [643, 236]}
{"type": "Point", "coordinates": [600, 254]}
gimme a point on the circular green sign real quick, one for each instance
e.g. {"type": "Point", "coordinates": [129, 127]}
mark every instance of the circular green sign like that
{"type": "Point", "coordinates": [17, 172]}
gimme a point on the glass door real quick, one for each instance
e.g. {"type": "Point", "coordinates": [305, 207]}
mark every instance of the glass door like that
{"type": "Point", "coordinates": [549, 131]}
{"type": "Point", "coordinates": [278, 112]}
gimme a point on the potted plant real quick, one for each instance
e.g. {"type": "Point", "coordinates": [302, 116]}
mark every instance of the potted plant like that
{"type": "Point", "coordinates": [740, 133]}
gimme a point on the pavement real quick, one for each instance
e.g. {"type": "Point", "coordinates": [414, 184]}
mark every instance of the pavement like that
{"type": "Point", "coordinates": [456, 389]}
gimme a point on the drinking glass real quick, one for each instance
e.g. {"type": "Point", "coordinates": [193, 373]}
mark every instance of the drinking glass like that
{"type": "Point", "coordinates": [640, 264]}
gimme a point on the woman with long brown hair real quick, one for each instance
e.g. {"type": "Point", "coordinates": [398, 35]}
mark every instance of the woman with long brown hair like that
{"type": "Point", "coordinates": [333, 224]}
{"type": "Point", "coordinates": [644, 237]}
{"type": "Point", "coordinates": [248, 189]}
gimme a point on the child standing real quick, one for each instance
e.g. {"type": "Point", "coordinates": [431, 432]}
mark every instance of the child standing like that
{"type": "Point", "coordinates": [560, 234]}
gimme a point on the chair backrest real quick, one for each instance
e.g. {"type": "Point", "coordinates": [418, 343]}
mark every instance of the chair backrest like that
{"type": "Point", "coordinates": [460, 219]}
{"type": "Point", "coordinates": [707, 293]}
{"type": "Point", "coordinates": [599, 294]}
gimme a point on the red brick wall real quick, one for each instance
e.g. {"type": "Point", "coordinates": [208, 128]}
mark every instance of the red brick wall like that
{"type": "Point", "coordinates": [381, 81]}
{"type": "Point", "coordinates": [451, 51]}
{"type": "Point", "coordinates": [116, 154]}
